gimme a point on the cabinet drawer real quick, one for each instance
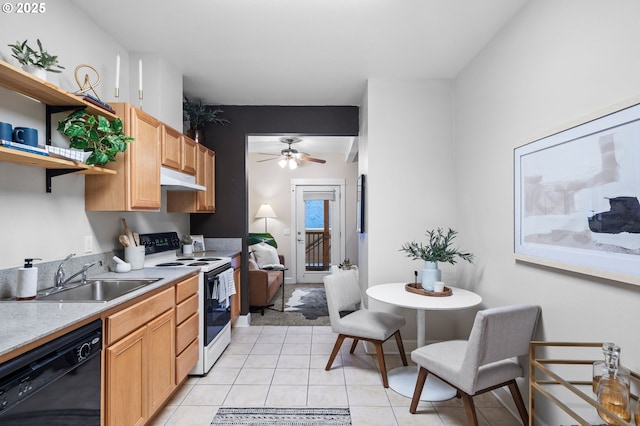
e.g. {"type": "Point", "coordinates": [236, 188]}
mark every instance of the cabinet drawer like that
{"type": "Point", "coordinates": [187, 308]}
{"type": "Point", "coordinates": [186, 333]}
{"type": "Point", "coordinates": [187, 288]}
{"type": "Point", "coordinates": [124, 322]}
{"type": "Point", "coordinates": [186, 361]}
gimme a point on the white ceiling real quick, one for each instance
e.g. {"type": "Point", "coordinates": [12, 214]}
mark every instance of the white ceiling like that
{"type": "Point", "coordinates": [302, 52]}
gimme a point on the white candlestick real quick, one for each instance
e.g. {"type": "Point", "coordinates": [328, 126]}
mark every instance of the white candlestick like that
{"type": "Point", "coordinates": [140, 75]}
{"type": "Point", "coordinates": [118, 72]}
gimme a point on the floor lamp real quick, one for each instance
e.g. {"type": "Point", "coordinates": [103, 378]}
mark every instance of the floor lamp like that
{"type": "Point", "coordinates": [265, 211]}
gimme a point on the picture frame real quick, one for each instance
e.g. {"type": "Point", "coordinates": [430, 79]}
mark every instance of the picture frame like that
{"type": "Point", "coordinates": [360, 203]}
{"type": "Point", "coordinates": [576, 198]}
{"type": "Point", "coordinates": [198, 243]}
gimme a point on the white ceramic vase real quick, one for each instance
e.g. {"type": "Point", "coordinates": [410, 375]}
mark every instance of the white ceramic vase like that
{"type": "Point", "coordinates": [187, 249]}
{"type": "Point", "coordinates": [41, 73]}
{"type": "Point", "coordinates": [430, 274]}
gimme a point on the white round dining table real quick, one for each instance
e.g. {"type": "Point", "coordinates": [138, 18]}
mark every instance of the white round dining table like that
{"type": "Point", "coordinates": [403, 379]}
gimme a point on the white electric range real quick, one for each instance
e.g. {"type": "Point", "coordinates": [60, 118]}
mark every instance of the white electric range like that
{"type": "Point", "coordinates": [215, 287]}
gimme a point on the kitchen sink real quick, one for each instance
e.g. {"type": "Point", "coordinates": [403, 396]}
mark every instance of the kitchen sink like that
{"type": "Point", "coordinates": [96, 290]}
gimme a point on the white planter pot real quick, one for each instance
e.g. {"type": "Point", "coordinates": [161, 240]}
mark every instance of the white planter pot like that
{"type": "Point", "coordinates": [41, 73]}
{"type": "Point", "coordinates": [187, 249]}
{"type": "Point", "coordinates": [430, 274]}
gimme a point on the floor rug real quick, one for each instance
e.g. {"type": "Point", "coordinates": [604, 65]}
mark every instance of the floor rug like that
{"type": "Point", "coordinates": [303, 416]}
{"type": "Point", "coordinates": [273, 315]}
{"type": "Point", "coordinates": [310, 302]}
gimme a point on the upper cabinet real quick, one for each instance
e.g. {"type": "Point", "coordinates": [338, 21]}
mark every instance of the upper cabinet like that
{"type": "Point", "coordinates": [202, 201]}
{"type": "Point", "coordinates": [136, 186]}
{"type": "Point", "coordinates": [178, 151]}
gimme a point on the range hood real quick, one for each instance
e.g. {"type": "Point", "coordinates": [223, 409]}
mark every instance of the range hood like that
{"type": "Point", "coordinates": [172, 180]}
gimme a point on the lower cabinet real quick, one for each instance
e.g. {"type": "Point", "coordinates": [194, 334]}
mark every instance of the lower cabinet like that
{"type": "Point", "coordinates": [150, 347]}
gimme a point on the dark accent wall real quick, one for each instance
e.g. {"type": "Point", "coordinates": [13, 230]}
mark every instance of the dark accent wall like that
{"type": "Point", "coordinates": [229, 141]}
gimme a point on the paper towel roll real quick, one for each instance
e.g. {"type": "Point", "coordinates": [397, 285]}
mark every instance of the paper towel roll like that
{"type": "Point", "coordinates": [27, 283]}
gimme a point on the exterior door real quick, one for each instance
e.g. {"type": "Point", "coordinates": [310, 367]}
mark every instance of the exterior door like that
{"type": "Point", "coordinates": [319, 230]}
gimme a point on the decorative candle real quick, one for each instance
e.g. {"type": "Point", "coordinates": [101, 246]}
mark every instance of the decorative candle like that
{"type": "Point", "coordinates": [140, 74]}
{"type": "Point", "coordinates": [118, 72]}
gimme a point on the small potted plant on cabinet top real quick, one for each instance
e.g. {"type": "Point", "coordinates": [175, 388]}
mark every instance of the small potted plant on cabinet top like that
{"type": "Point", "coordinates": [199, 115]}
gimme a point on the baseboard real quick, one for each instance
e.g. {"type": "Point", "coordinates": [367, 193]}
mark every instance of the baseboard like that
{"type": "Point", "coordinates": [243, 321]}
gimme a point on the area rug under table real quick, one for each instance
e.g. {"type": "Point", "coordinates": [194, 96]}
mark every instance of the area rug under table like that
{"type": "Point", "coordinates": [303, 416]}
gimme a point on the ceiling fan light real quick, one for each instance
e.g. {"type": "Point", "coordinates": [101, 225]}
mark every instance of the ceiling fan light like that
{"type": "Point", "coordinates": [293, 164]}
{"type": "Point", "coordinates": [283, 163]}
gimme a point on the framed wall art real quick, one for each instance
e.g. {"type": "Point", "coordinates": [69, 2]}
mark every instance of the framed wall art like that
{"type": "Point", "coordinates": [198, 242]}
{"type": "Point", "coordinates": [576, 198]}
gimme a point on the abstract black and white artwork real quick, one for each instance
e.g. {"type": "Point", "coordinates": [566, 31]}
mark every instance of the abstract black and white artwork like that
{"type": "Point", "coordinates": [577, 197]}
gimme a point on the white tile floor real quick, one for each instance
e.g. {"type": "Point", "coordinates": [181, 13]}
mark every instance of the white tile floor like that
{"type": "Point", "coordinates": [275, 366]}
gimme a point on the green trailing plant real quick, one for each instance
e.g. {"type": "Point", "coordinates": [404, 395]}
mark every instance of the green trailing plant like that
{"type": "Point", "coordinates": [38, 58]}
{"type": "Point", "coordinates": [186, 239]}
{"type": "Point", "coordinates": [438, 249]}
{"type": "Point", "coordinates": [104, 139]}
{"type": "Point", "coordinates": [198, 114]}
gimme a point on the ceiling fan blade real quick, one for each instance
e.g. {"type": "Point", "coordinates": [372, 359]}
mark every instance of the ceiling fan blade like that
{"type": "Point", "coordinates": [268, 159]}
{"type": "Point", "coordinates": [265, 153]}
{"type": "Point", "coordinates": [315, 160]}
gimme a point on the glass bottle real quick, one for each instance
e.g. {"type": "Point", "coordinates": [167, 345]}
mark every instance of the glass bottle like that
{"type": "Point", "coordinates": [613, 386]}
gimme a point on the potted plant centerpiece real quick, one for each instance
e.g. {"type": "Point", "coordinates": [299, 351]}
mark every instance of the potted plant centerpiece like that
{"type": "Point", "coordinates": [187, 244]}
{"type": "Point", "coordinates": [104, 139]}
{"type": "Point", "coordinates": [198, 115]}
{"type": "Point", "coordinates": [36, 62]}
{"type": "Point", "coordinates": [438, 249]}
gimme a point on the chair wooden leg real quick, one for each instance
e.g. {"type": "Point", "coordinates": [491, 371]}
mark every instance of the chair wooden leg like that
{"type": "Point", "coordinates": [353, 345]}
{"type": "Point", "coordinates": [383, 367]}
{"type": "Point", "coordinates": [401, 348]}
{"type": "Point", "coordinates": [517, 398]}
{"type": "Point", "coordinates": [469, 408]}
{"type": "Point", "coordinates": [422, 377]}
{"type": "Point", "coordinates": [336, 349]}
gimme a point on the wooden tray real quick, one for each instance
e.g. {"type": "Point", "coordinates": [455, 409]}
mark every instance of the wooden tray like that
{"type": "Point", "coordinates": [417, 289]}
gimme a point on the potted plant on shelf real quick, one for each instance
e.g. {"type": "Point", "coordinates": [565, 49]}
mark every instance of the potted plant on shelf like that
{"type": "Point", "coordinates": [438, 249]}
{"type": "Point", "coordinates": [198, 115]}
{"type": "Point", "coordinates": [36, 62]}
{"type": "Point", "coordinates": [97, 135]}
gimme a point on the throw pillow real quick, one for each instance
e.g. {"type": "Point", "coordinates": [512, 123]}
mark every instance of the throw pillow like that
{"type": "Point", "coordinates": [253, 265]}
{"type": "Point", "coordinates": [265, 254]}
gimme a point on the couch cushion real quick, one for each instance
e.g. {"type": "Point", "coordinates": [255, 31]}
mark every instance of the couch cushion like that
{"type": "Point", "coordinates": [265, 254]}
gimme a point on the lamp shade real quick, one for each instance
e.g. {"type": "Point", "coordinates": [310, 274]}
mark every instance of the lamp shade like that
{"type": "Point", "coordinates": [265, 211]}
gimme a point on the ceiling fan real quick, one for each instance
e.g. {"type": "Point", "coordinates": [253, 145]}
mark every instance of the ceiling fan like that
{"type": "Point", "coordinates": [289, 156]}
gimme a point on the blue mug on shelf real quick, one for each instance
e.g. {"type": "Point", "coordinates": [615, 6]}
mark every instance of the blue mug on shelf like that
{"type": "Point", "coordinates": [6, 131]}
{"type": "Point", "coordinates": [26, 135]}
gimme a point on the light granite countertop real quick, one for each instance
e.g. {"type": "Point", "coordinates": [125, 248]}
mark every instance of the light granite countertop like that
{"type": "Point", "coordinates": [24, 322]}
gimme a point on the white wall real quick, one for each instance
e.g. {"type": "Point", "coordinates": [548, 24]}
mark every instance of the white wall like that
{"type": "Point", "coordinates": [557, 62]}
{"type": "Point", "coordinates": [50, 226]}
{"type": "Point", "coordinates": [411, 185]}
{"type": "Point", "coordinates": [270, 184]}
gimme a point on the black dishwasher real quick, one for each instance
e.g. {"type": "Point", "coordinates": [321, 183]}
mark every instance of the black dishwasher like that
{"type": "Point", "coordinates": [57, 383]}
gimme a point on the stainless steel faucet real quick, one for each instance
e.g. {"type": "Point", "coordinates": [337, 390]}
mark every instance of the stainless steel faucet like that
{"type": "Point", "coordinates": [61, 280]}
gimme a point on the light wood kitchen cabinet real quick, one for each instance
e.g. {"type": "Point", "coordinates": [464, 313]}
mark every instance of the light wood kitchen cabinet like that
{"type": "Point", "coordinates": [136, 186]}
{"type": "Point", "coordinates": [187, 323]}
{"type": "Point", "coordinates": [178, 151]}
{"type": "Point", "coordinates": [236, 299]}
{"type": "Point", "coordinates": [201, 201]}
{"type": "Point", "coordinates": [140, 359]}
{"type": "Point", "coordinates": [189, 149]}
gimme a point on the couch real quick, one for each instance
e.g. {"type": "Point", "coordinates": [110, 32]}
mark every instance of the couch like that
{"type": "Point", "coordinates": [266, 273]}
{"type": "Point", "coordinates": [263, 285]}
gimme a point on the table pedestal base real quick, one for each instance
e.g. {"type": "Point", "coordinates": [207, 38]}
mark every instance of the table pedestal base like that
{"type": "Point", "coordinates": [403, 380]}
